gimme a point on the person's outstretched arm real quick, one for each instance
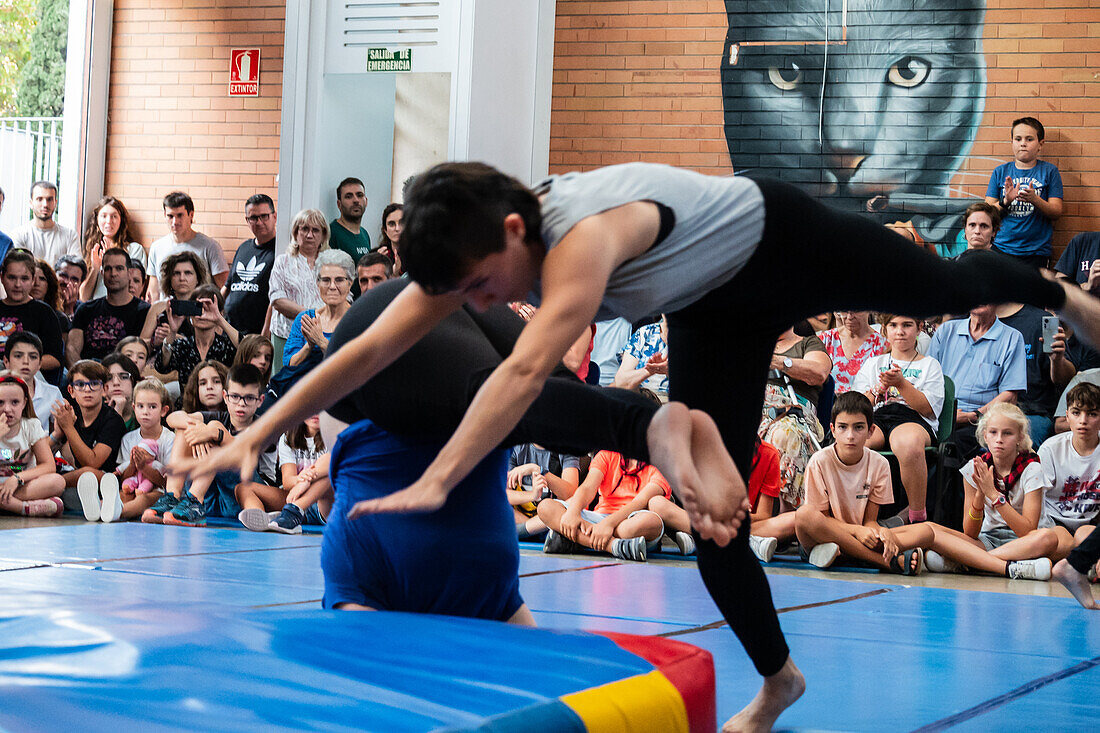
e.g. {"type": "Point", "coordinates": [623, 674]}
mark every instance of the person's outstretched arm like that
{"type": "Point", "coordinates": [411, 315]}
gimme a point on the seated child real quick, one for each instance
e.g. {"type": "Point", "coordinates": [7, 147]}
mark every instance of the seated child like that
{"type": "Point", "coordinates": [304, 476]}
{"type": "Point", "coordinates": [29, 483]}
{"type": "Point", "coordinates": [846, 484]}
{"type": "Point", "coordinates": [196, 434]}
{"type": "Point", "coordinates": [205, 388]}
{"type": "Point", "coordinates": [1004, 532]}
{"type": "Point", "coordinates": [534, 473]}
{"type": "Point", "coordinates": [23, 358]}
{"type": "Point", "coordinates": [142, 455]}
{"type": "Point", "coordinates": [1071, 470]}
{"type": "Point", "coordinates": [123, 375]}
{"type": "Point", "coordinates": [91, 439]}
{"type": "Point", "coordinates": [256, 349]}
{"type": "Point", "coordinates": [621, 523]}
{"type": "Point", "coordinates": [137, 351]}
{"type": "Point", "coordinates": [765, 483]}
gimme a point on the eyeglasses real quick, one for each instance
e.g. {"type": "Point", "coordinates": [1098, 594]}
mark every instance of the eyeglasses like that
{"type": "Point", "coordinates": [241, 399]}
{"type": "Point", "coordinates": [122, 377]}
{"type": "Point", "coordinates": [257, 217]}
{"type": "Point", "coordinates": [90, 385]}
{"type": "Point", "coordinates": [326, 281]}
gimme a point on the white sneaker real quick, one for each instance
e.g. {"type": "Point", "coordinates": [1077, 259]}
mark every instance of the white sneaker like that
{"type": "Point", "coordinates": [1038, 569]}
{"type": "Point", "coordinates": [685, 542]}
{"type": "Point", "coordinates": [934, 562]}
{"type": "Point", "coordinates": [257, 520]}
{"type": "Point", "coordinates": [763, 547]}
{"type": "Point", "coordinates": [111, 508]}
{"type": "Point", "coordinates": [87, 488]}
{"type": "Point", "coordinates": [824, 555]}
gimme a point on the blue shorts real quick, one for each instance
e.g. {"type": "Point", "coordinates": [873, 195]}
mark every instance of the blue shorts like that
{"type": "Point", "coordinates": [462, 560]}
{"type": "Point", "coordinates": [221, 497]}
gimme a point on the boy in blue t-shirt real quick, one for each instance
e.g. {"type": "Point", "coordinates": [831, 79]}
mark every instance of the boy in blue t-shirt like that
{"type": "Point", "coordinates": [1029, 193]}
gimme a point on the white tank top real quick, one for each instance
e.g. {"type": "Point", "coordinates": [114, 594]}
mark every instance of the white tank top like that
{"type": "Point", "coordinates": [719, 222]}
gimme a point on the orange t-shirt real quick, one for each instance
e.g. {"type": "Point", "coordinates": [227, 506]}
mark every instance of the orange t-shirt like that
{"type": "Point", "coordinates": [765, 477]}
{"type": "Point", "coordinates": [618, 488]}
{"type": "Point", "coordinates": [845, 490]}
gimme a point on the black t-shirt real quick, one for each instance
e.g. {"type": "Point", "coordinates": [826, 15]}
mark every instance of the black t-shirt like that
{"type": "Point", "coordinates": [249, 275]}
{"type": "Point", "coordinates": [1080, 253]}
{"type": "Point", "coordinates": [1081, 354]}
{"type": "Point", "coordinates": [35, 317]}
{"type": "Point", "coordinates": [104, 325]}
{"type": "Point", "coordinates": [107, 429]}
{"type": "Point", "coordinates": [1041, 396]}
{"type": "Point", "coordinates": [269, 459]}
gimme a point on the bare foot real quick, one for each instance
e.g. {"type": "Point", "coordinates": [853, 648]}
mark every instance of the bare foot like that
{"type": "Point", "coordinates": [1083, 313]}
{"type": "Point", "coordinates": [776, 695]}
{"type": "Point", "coordinates": [1075, 583]}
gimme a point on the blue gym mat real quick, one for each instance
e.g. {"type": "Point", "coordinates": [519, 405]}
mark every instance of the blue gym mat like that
{"type": "Point", "coordinates": [877, 655]}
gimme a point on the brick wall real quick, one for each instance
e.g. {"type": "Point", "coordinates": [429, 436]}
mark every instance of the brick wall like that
{"type": "Point", "coordinates": [641, 80]}
{"type": "Point", "coordinates": [172, 125]}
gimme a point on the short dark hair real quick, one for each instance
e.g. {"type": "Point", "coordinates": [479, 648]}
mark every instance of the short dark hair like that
{"type": "Point", "coordinates": [73, 261]}
{"type": "Point", "coordinates": [853, 403]}
{"type": "Point", "coordinates": [347, 182]}
{"type": "Point", "coordinates": [206, 290]}
{"type": "Point", "coordinates": [1032, 123]}
{"type": "Point", "coordinates": [123, 361]}
{"type": "Point", "coordinates": [455, 217]}
{"type": "Point", "coordinates": [259, 198]}
{"type": "Point", "coordinates": [246, 375]}
{"type": "Point", "coordinates": [91, 369]}
{"type": "Point", "coordinates": [1084, 396]}
{"type": "Point", "coordinates": [376, 258]}
{"type": "Point", "coordinates": [22, 337]}
{"type": "Point", "coordinates": [116, 252]}
{"type": "Point", "coordinates": [989, 210]}
{"type": "Point", "coordinates": [177, 199]}
{"type": "Point", "coordinates": [48, 185]}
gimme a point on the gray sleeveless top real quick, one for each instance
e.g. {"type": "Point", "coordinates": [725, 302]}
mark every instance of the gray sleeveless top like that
{"type": "Point", "coordinates": [719, 222]}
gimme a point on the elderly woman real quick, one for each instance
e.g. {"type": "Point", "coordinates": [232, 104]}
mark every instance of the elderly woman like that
{"type": "Point", "coordinates": [851, 343]}
{"type": "Point", "coordinates": [293, 285]}
{"type": "Point", "coordinates": [312, 327]}
{"type": "Point", "coordinates": [108, 226]}
{"type": "Point", "coordinates": [180, 274]}
{"type": "Point", "coordinates": [801, 361]}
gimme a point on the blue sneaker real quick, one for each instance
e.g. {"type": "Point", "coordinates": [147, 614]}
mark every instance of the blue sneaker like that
{"type": "Point", "coordinates": [155, 514]}
{"type": "Point", "coordinates": [189, 512]}
{"type": "Point", "coordinates": [289, 521]}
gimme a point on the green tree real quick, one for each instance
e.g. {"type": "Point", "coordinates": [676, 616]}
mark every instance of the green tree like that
{"type": "Point", "coordinates": [42, 83]}
{"type": "Point", "coordinates": [17, 22]}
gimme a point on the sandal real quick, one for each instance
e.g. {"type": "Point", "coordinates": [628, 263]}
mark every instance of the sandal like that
{"type": "Point", "coordinates": [903, 564]}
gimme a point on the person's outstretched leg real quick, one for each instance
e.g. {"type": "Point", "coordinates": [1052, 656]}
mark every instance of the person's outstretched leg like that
{"type": "Point", "coordinates": [1073, 571]}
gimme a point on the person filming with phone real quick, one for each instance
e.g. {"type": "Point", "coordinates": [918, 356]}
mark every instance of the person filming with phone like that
{"type": "Point", "coordinates": [211, 337]}
{"type": "Point", "coordinates": [100, 324]}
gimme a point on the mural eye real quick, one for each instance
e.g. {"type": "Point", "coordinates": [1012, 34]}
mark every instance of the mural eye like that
{"type": "Point", "coordinates": [785, 78]}
{"type": "Point", "coordinates": [909, 72]}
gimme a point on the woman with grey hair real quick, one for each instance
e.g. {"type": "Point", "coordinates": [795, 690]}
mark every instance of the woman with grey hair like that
{"type": "Point", "coordinates": [293, 286]}
{"type": "Point", "coordinates": [309, 333]}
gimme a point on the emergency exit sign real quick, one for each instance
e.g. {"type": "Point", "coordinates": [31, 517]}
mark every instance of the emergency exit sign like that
{"type": "Point", "coordinates": [383, 59]}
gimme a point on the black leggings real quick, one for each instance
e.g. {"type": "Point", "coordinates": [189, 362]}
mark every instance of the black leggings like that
{"type": "Point", "coordinates": [811, 259]}
{"type": "Point", "coordinates": [1085, 555]}
{"type": "Point", "coordinates": [426, 392]}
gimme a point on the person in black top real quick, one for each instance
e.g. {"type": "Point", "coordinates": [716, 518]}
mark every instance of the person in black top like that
{"type": "Point", "coordinates": [100, 324]}
{"type": "Point", "coordinates": [246, 290]}
{"type": "Point", "coordinates": [1080, 261]}
{"type": "Point", "coordinates": [93, 435]}
{"type": "Point", "coordinates": [182, 353]}
{"type": "Point", "coordinates": [19, 312]}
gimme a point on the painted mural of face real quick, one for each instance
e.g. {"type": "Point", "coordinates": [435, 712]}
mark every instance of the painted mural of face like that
{"type": "Point", "coordinates": [877, 119]}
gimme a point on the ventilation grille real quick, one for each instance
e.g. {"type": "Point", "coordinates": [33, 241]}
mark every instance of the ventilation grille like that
{"type": "Point", "coordinates": [390, 24]}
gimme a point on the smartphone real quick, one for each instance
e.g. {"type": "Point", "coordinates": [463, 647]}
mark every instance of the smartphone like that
{"type": "Point", "coordinates": [1050, 330]}
{"type": "Point", "coordinates": [186, 307]}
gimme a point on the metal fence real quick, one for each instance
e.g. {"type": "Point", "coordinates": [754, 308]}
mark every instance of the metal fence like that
{"type": "Point", "coordinates": [30, 150]}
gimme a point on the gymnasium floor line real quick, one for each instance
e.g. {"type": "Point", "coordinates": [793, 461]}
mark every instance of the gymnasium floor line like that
{"type": "Point", "coordinates": [787, 609]}
{"type": "Point", "coordinates": [1000, 700]}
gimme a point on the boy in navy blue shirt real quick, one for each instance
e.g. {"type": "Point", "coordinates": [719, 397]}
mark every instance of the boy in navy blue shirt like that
{"type": "Point", "coordinates": [1080, 261]}
{"type": "Point", "coordinates": [1029, 193]}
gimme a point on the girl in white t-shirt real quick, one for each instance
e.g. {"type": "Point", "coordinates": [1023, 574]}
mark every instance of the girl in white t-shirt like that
{"type": "Point", "coordinates": [906, 388]}
{"type": "Point", "coordinates": [29, 482]}
{"type": "Point", "coordinates": [1003, 532]}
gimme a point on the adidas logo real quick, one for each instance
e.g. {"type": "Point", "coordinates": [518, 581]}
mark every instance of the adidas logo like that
{"type": "Point", "coordinates": [251, 271]}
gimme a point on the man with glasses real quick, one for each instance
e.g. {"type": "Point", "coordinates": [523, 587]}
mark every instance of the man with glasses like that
{"type": "Point", "coordinates": [100, 324]}
{"type": "Point", "coordinates": [246, 290]}
{"type": "Point", "coordinates": [71, 271]}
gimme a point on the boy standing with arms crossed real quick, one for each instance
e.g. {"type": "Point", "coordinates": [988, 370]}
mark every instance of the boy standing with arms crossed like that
{"type": "Point", "coordinates": [1028, 191]}
{"type": "Point", "coordinates": [846, 484]}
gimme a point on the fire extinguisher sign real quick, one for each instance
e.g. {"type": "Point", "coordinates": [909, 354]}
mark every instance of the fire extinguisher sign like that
{"type": "Point", "coordinates": [244, 72]}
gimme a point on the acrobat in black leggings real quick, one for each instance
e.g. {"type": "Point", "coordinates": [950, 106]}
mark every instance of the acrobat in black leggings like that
{"type": "Point", "coordinates": [1086, 554]}
{"type": "Point", "coordinates": [811, 260]}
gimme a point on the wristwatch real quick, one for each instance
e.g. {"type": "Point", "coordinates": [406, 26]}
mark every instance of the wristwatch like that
{"type": "Point", "coordinates": [787, 363]}
{"type": "Point", "coordinates": [999, 501]}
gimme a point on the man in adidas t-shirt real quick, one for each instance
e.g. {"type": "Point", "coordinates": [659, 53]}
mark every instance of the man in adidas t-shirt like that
{"type": "Point", "coordinates": [246, 289]}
